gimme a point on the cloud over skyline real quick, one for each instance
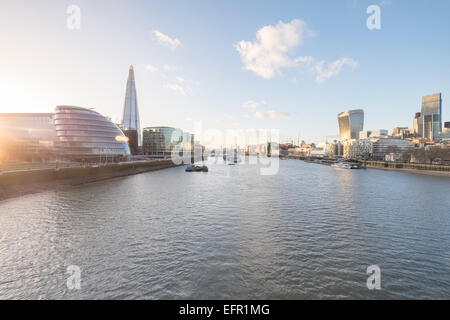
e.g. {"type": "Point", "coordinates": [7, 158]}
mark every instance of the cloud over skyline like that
{"type": "Point", "coordinates": [270, 114]}
{"type": "Point", "coordinates": [165, 40]}
{"type": "Point", "coordinates": [269, 53]}
{"type": "Point", "coordinates": [333, 68]}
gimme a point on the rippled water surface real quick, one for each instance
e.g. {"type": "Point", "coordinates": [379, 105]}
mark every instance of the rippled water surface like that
{"type": "Point", "coordinates": [308, 232]}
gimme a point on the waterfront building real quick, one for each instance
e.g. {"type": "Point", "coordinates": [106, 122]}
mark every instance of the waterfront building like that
{"type": "Point", "coordinates": [131, 123]}
{"type": "Point", "coordinates": [27, 136]}
{"type": "Point", "coordinates": [159, 142]}
{"type": "Point", "coordinates": [431, 116]}
{"type": "Point", "coordinates": [85, 134]}
{"type": "Point", "coordinates": [383, 146]}
{"type": "Point", "coordinates": [351, 122]}
{"type": "Point", "coordinates": [335, 149]}
{"type": "Point", "coordinates": [354, 149]}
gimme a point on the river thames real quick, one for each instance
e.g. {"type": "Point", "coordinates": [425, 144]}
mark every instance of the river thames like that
{"type": "Point", "coordinates": [308, 232]}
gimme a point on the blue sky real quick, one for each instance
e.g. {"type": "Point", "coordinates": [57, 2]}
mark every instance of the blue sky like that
{"type": "Point", "coordinates": [316, 59]}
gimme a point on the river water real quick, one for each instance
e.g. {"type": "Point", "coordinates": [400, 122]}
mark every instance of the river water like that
{"type": "Point", "coordinates": [308, 232]}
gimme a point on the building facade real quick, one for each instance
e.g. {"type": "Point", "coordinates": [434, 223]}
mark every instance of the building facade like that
{"type": "Point", "coordinates": [357, 149]}
{"type": "Point", "coordinates": [351, 122]}
{"type": "Point", "coordinates": [384, 146]}
{"type": "Point", "coordinates": [27, 136]}
{"type": "Point", "coordinates": [84, 134]}
{"type": "Point", "coordinates": [160, 142]}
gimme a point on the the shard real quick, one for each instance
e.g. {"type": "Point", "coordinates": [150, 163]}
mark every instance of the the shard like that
{"type": "Point", "coordinates": [131, 124]}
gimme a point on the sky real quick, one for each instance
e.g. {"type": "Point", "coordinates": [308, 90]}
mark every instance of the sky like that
{"type": "Point", "coordinates": [286, 65]}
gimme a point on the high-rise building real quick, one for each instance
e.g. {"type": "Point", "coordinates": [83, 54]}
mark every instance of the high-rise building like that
{"type": "Point", "coordinates": [131, 123]}
{"type": "Point", "coordinates": [351, 122]}
{"type": "Point", "coordinates": [417, 124]}
{"type": "Point", "coordinates": [431, 116]}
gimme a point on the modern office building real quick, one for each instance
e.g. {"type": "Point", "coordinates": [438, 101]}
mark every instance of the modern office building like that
{"type": "Point", "coordinates": [431, 116]}
{"type": "Point", "coordinates": [27, 136]}
{"type": "Point", "coordinates": [71, 133]}
{"type": "Point", "coordinates": [84, 134]}
{"type": "Point", "coordinates": [417, 124]}
{"type": "Point", "coordinates": [131, 123]}
{"type": "Point", "coordinates": [159, 142]}
{"type": "Point", "coordinates": [383, 146]}
{"type": "Point", "coordinates": [351, 122]}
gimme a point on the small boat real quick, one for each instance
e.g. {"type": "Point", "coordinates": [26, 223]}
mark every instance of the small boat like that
{"type": "Point", "coordinates": [196, 168]}
{"type": "Point", "coordinates": [346, 165]}
{"type": "Point", "coordinates": [341, 165]}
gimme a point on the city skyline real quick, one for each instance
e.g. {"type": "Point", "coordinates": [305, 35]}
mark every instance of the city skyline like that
{"type": "Point", "coordinates": [222, 84]}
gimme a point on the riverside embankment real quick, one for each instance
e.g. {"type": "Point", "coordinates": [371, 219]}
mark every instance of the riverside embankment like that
{"type": "Point", "coordinates": [18, 183]}
{"type": "Point", "coordinates": [429, 169]}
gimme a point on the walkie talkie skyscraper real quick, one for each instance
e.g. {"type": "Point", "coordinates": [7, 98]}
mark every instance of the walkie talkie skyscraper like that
{"type": "Point", "coordinates": [131, 123]}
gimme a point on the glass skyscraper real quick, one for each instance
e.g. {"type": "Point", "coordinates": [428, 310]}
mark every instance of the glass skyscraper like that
{"type": "Point", "coordinates": [351, 122]}
{"type": "Point", "coordinates": [131, 123]}
{"type": "Point", "coordinates": [431, 116]}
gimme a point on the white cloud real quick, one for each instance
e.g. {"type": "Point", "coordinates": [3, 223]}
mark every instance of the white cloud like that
{"type": "Point", "coordinates": [165, 40]}
{"type": "Point", "coordinates": [271, 114]}
{"type": "Point", "coordinates": [268, 54]}
{"type": "Point", "coordinates": [177, 88]}
{"type": "Point", "coordinates": [169, 67]}
{"type": "Point", "coordinates": [179, 79]}
{"type": "Point", "coordinates": [253, 104]}
{"type": "Point", "coordinates": [150, 68]}
{"type": "Point", "coordinates": [332, 69]}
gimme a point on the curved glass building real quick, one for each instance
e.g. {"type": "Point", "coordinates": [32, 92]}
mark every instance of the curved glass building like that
{"type": "Point", "coordinates": [86, 134]}
{"type": "Point", "coordinates": [351, 122]}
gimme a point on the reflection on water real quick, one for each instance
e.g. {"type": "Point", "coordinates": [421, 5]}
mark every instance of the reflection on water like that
{"type": "Point", "coordinates": [308, 232]}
